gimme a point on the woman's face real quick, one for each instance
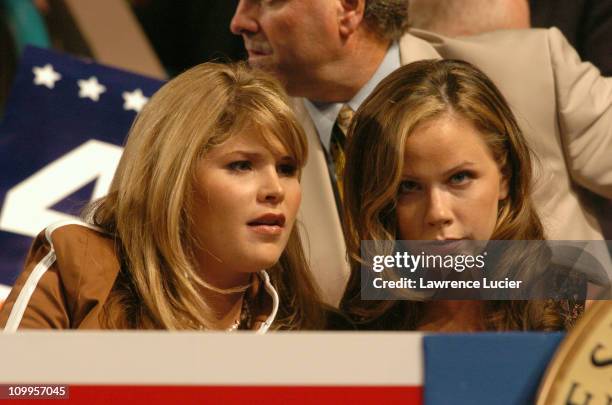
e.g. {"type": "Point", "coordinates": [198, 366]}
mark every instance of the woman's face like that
{"type": "Point", "coordinates": [451, 184]}
{"type": "Point", "coordinates": [247, 195]}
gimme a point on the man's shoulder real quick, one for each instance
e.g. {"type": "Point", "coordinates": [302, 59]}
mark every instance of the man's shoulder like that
{"type": "Point", "coordinates": [505, 55]}
{"type": "Point", "coordinates": [509, 43]}
{"type": "Point", "coordinates": [486, 38]}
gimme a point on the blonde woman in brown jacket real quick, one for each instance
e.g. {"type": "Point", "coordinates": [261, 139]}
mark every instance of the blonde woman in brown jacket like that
{"type": "Point", "coordinates": [197, 230]}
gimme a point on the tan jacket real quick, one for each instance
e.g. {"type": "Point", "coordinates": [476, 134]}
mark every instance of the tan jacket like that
{"type": "Point", "coordinates": [68, 275]}
{"type": "Point", "coordinates": [564, 107]}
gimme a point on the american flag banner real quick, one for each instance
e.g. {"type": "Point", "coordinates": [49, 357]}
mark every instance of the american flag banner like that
{"type": "Point", "coordinates": [154, 367]}
{"type": "Point", "coordinates": [60, 142]}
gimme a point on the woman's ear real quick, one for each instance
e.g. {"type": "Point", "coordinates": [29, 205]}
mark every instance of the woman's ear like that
{"type": "Point", "coordinates": [350, 16]}
{"type": "Point", "coordinates": [503, 186]}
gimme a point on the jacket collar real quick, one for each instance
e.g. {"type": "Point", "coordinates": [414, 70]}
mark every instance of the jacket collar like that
{"type": "Point", "coordinates": [417, 45]}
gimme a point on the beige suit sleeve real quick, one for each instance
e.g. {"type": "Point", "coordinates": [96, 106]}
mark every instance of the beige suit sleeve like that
{"type": "Point", "coordinates": [47, 307]}
{"type": "Point", "coordinates": [584, 100]}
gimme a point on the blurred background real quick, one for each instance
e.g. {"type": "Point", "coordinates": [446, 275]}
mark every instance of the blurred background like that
{"type": "Point", "coordinates": [158, 38]}
{"type": "Point", "coordinates": [161, 38]}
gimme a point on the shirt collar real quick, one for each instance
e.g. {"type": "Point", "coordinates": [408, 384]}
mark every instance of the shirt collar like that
{"type": "Point", "coordinates": [324, 114]}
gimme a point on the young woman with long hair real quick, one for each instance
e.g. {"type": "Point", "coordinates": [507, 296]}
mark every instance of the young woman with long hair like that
{"type": "Point", "coordinates": [435, 153]}
{"type": "Point", "coordinates": [198, 228]}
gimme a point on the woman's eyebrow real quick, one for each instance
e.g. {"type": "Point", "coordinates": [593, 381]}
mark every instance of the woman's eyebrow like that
{"type": "Point", "coordinates": [462, 165]}
{"type": "Point", "coordinates": [254, 155]}
{"type": "Point", "coordinates": [287, 158]}
{"type": "Point", "coordinates": [246, 153]}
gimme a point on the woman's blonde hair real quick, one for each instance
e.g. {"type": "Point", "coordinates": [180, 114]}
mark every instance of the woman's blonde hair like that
{"type": "Point", "coordinates": [414, 94]}
{"type": "Point", "coordinates": [149, 204]}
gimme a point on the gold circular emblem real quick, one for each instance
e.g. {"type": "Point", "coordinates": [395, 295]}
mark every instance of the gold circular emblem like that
{"type": "Point", "coordinates": [581, 370]}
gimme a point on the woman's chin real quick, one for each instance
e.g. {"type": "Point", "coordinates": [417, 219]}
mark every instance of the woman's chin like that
{"type": "Point", "coordinates": [262, 262]}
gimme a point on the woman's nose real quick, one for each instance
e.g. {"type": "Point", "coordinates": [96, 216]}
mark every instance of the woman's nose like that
{"type": "Point", "coordinates": [271, 188]}
{"type": "Point", "coordinates": [439, 212]}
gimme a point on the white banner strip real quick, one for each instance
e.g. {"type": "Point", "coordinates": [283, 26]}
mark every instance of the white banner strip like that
{"type": "Point", "coordinates": [199, 358]}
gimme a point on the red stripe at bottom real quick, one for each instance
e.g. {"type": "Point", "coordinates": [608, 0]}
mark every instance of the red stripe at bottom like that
{"type": "Point", "coordinates": [226, 395]}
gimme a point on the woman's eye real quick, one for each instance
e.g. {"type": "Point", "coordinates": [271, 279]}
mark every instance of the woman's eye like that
{"type": "Point", "coordinates": [408, 186]}
{"type": "Point", "coordinates": [461, 178]}
{"type": "Point", "coordinates": [270, 2]}
{"type": "Point", "coordinates": [287, 169]}
{"type": "Point", "coordinates": [240, 166]}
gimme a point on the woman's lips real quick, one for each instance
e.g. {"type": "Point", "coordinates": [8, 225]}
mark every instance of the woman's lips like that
{"type": "Point", "coordinates": [268, 224]}
{"type": "Point", "coordinates": [440, 247]}
{"type": "Point", "coordinates": [267, 229]}
{"type": "Point", "coordinates": [258, 53]}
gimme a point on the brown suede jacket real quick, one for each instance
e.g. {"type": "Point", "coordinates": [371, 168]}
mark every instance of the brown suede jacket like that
{"type": "Point", "coordinates": [69, 273]}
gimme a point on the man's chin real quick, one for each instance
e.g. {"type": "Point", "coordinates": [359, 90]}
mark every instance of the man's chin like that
{"type": "Point", "coordinates": [267, 65]}
{"type": "Point", "coordinates": [263, 62]}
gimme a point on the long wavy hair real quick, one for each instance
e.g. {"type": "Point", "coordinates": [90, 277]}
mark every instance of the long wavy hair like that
{"type": "Point", "coordinates": [149, 205]}
{"type": "Point", "coordinates": [414, 94]}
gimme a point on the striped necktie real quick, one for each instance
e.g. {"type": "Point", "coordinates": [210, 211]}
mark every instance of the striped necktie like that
{"type": "Point", "coordinates": [338, 143]}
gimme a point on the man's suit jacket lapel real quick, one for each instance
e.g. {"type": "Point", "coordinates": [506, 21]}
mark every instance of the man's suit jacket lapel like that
{"type": "Point", "coordinates": [321, 231]}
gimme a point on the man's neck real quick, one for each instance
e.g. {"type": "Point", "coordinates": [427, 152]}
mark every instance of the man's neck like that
{"type": "Point", "coordinates": [341, 80]}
